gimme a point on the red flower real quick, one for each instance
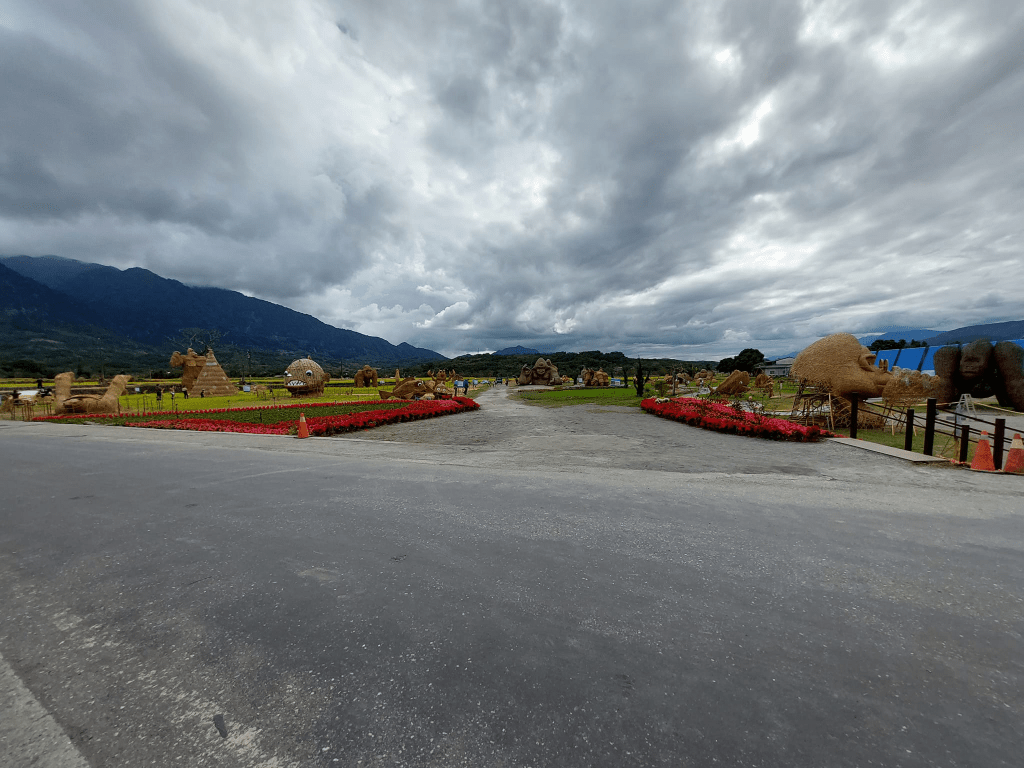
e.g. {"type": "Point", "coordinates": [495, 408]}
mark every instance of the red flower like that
{"type": "Point", "coordinates": [723, 417]}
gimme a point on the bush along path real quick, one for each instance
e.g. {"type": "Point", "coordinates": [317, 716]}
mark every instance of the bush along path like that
{"type": "Point", "coordinates": [722, 417]}
{"type": "Point", "coordinates": [322, 419]}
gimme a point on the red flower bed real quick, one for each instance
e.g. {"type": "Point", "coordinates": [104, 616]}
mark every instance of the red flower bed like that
{"type": "Point", "coordinates": [723, 417]}
{"type": "Point", "coordinates": [242, 419]}
{"type": "Point", "coordinates": [417, 409]}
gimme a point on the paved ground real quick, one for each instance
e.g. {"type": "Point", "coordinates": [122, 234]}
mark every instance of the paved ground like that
{"type": "Point", "coordinates": [518, 586]}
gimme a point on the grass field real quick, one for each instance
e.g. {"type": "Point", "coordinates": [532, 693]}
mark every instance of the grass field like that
{"type": "Point", "coordinates": [556, 398]}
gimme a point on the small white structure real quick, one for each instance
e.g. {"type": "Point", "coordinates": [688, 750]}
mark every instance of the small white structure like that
{"type": "Point", "coordinates": [778, 367]}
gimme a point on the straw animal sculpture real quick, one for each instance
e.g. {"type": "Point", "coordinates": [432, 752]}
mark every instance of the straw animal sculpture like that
{"type": "Point", "coordinates": [306, 378]}
{"type": "Point", "coordinates": [409, 388]}
{"type": "Point", "coordinates": [981, 370]}
{"type": "Point", "coordinates": [105, 403]}
{"type": "Point", "coordinates": [366, 377]}
{"type": "Point", "coordinates": [736, 383]}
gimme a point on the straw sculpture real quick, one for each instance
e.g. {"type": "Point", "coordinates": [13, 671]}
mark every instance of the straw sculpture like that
{"type": "Point", "coordinates": [765, 383]}
{"type": "Point", "coordinates": [842, 366]}
{"type": "Point", "coordinates": [105, 403]}
{"type": "Point", "coordinates": [305, 378]}
{"type": "Point", "coordinates": [703, 378]}
{"type": "Point", "coordinates": [202, 374]}
{"type": "Point", "coordinates": [366, 377]}
{"type": "Point", "coordinates": [409, 388]}
{"type": "Point", "coordinates": [542, 372]}
{"type": "Point", "coordinates": [736, 383]}
{"type": "Point", "coordinates": [907, 388]}
{"type": "Point", "coordinates": [981, 370]}
{"type": "Point", "coordinates": [592, 378]}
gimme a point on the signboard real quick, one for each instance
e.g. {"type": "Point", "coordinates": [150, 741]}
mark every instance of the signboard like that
{"type": "Point", "coordinates": [247, 388]}
{"type": "Point", "coordinates": [616, 382]}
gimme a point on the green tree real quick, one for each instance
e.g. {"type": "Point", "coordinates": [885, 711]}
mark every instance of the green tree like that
{"type": "Point", "coordinates": [749, 359]}
{"type": "Point", "coordinates": [640, 379]}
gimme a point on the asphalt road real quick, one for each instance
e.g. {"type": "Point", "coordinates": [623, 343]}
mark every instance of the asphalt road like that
{"type": "Point", "coordinates": [519, 586]}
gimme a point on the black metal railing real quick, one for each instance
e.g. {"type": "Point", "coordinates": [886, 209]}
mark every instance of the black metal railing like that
{"type": "Point", "coordinates": [936, 422]}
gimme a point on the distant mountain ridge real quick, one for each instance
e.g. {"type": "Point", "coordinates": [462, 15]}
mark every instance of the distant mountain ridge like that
{"type": "Point", "coordinates": [896, 333]}
{"type": "Point", "coordinates": [143, 306]}
{"type": "Point", "coordinates": [1013, 329]}
{"type": "Point", "coordinates": [507, 351]}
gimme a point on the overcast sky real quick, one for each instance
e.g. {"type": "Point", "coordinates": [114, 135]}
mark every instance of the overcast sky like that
{"type": "Point", "coordinates": [679, 179]}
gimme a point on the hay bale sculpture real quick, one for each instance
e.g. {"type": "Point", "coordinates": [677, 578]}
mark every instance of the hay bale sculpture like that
{"type": "Point", "coordinates": [105, 403]}
{"type": "Point", "coordinates": [366, 377]}
{"type": "Point", "coordinates": [304, 378]}
{"type": "Point", "coordinates": [842, 366]}
{"type": "Point", "coordinates": [980, 369]}
{"type": "Point", "coordinates": [736, 383]}
{"type": "Point", "coordinates": [765, 384]}
{"type": "Point", "coordinates": [908, 387]}
{"type": "Point", "coordinates": [703, 378]}
{"type": "Point", "coordinates": [543, 372]}
{"type": "Point", "coordinates": [202, 374]}
{"type": "Point", "coordinates": [592, 378]}
{"type": "Point", "coordinates": [410, 388]}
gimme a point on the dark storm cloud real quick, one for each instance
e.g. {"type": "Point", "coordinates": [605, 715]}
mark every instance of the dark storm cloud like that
{"type": "Point", "coordinates": [672, 178]}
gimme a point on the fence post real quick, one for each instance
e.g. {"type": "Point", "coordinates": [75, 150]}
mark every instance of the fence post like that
{"type": "Point", "coordinates": [997, 443]}
{"type": "Point", "coordinates": [965, 441]}
{"type": "Point", "coordinates": [853, 414]}
{"type": "Point", "coordinates": [908, 439]}
{"type": "Point", "coordinates": [929, 427]}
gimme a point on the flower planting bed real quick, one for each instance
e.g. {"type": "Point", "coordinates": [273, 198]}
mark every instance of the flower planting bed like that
{"type": "Point", "coordinates": [321, 418]}
{"type": "Point", "coordinates": [722, 417]}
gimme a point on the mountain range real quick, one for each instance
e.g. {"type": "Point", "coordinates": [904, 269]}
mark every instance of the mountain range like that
{"type": "Point", "coordinates": [43, 293]}
{"type": "Point", "coordinates": [1013, 329]}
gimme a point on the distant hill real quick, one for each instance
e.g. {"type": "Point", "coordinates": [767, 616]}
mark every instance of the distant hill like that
{"type": "Point", "coordinates": [1013, 329]}
{"type": "Point", "coordinates": [43, 331]}
{"type": "Point", "coordinates": [568, 363]}
{"type": "Point", "coordinates": [35, 304]}
{"type": "Point", "coordinates": [896, 333]}
{"type": "Point", "coordinates": [140, 305]}
{"type": "Point", "coordinates": [516, 351]}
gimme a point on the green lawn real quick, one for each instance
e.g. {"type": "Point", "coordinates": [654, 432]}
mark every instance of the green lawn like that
{"type": "Point", "coordinates": [556, 398]}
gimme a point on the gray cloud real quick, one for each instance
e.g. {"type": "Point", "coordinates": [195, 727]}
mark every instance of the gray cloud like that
{"type": "Point", "coordinates": [661, 178]}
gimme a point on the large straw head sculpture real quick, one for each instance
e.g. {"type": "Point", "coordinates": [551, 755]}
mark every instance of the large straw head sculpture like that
{"type": "Point", "coordinates": [842, 365]}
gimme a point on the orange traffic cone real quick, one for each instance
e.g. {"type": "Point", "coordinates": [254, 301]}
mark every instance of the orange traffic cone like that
{"type": "Point", "coordinates": [1015, 458]}
{"type": "Point", "coordinates": [303, 429]}
{"type": "Point", "coordinates": [983, 455]}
